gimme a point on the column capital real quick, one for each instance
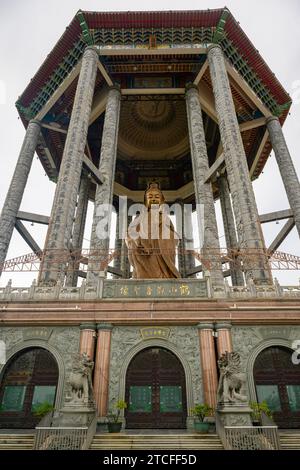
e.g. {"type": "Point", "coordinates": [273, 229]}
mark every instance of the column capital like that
{"type": "Point", "coordinates": [116, 87]}
{"type": "Point", "coordinates": [191, 86]}
{"type": "Point", "coordinates": [272, 118]}
{"type": "Point", "coordinates": [205, 326]}
{"type": "Point", "coordinates": [104, 326]}
{"type": "Point", "coordinates": [88, 326]}
{"type": "Point", "coordinates": [214, 46]}
{"type": "Point", "coordinates": [35, 121]}
{"type": "Point", "coordinates": [223, 326]}
{"type": "Point", "coordinates": [91, 48]}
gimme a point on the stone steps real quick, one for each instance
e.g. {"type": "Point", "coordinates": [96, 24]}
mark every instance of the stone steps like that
{"type": "Point", "coordinates": [16, 441]}
{"type": "Point", "coordinates": [290, 441]}
{"type": "Point", "coordinates": [156, 441]}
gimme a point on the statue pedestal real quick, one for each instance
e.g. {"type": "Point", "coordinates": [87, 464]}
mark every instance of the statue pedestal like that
{"type": "Point", "coordinates": [235, 414]}
{"type": "Point", "coordinates": [76, 415]}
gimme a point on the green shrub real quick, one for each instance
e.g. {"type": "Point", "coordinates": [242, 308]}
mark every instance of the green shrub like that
{"type": "Point", "coordinates": [42, 409]}
{"type": "Point", "coordinates": [201, 410]}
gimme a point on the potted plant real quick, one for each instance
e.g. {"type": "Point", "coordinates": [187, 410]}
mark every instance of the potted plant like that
{"type": "Point", "coordinates": [200, 411]}
{"type": "Point", "coordinates": [114, 424]}
{"type": "Point", "coordinates": [42, 409]}
{"type": "Point", "coordinates": [259, 409]}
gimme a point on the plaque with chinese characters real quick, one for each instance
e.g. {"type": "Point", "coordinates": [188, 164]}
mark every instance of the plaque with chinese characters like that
{"type": "Point", "coordinates": [158, 289]}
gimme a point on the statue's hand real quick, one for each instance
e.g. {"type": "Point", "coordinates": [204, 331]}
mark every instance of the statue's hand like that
{"type": "Point", "coordinates": [144, 251]}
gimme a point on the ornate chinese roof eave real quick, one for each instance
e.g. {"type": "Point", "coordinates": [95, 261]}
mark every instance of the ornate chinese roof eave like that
{"type": "Point", "coordinates": [213, 26]}
{"type": "Point", "coordinates": [224, 27]}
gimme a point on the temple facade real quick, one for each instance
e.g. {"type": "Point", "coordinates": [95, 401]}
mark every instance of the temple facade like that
{"type": "Point", "coordinates": [184, 99]}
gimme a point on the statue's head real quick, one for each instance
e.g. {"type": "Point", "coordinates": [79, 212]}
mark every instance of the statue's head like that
{"type": "Point", "coordinates": [153, 195]}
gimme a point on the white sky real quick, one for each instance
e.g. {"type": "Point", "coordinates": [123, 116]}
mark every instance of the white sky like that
{"type": "Point", "coordinates": [30, 29]}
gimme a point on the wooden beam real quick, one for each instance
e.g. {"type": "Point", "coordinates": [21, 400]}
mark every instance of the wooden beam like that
{"type": "Point", "coordinates": [278, 215]}
{"type": "Point", "coordinates": [246, 126]}
{"type": "Point", "coordinates": [153, 91]}
{"type": "Point", "coordinates": [215, 167]}
{"type": "Point", "coordinates": [258, 153]}
{"type": "Point", "coordinates": [104, 73]}
{"type": "Point", "coordinates": [59, 91]}
{"type": "Point", "coordinates": [92, 169]}
{"type": "Point", "coordinates": [201, 73]}
{"type": "Point", "coordinates": [152, 52]}
{"type": "Point", "coordinates": [247, 89]}
{"type": "Point", "coordinates": [288, 226]}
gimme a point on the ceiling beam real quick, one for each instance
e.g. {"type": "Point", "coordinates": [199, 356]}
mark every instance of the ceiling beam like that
{"type": "Point", "coordinates": [152, 52]}
{"type": "Point", "coordinates": [152, 91]}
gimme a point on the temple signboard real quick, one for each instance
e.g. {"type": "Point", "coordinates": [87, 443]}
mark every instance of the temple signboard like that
{"type": "Point", "coordinates": [176, 288]}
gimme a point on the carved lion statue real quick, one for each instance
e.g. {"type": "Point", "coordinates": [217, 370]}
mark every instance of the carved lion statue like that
{"type": "Point", "coordinates": [231, 381]}
{"type": "Point", "coordinates": [80, 380]}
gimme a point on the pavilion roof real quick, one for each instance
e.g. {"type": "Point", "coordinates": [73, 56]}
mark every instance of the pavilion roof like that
{"type": "Point", "coordinates": [84, 26]}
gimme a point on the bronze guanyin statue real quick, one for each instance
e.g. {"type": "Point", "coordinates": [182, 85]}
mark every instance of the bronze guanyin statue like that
{"type": "Point", "coordinates": [152, 240]}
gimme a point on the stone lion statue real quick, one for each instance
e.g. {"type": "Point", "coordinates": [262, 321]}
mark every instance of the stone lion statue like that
{"type": "Point", "coordinates": [232, 381]}
{"type": "Point", "coordinates": [80, 380]}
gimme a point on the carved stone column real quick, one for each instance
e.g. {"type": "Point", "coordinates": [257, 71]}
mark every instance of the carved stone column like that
{"type": "Point", "coordinates": [87, 339]}
{"type": "Point", "coordinates": [286, 167]}
{"type": "Point", "coordinates": [17, 186]}
{"type": "Point", "coordinates": [78, 228]}
{"type": "Point", "coordinates": [101, 371]}
{"type": "Point", "coordinates": [224, 339]}
{"type": "Point", "coordinates": [203, 190]}
{"type": "Point", "coordinates": [230, 233]}
{"type": "Point", "coordinates": [104, 191]}
{"type": "Point", "coordinates": [208, 363]}
{"type": "Point", "coordinates": [118, 248]}
{"type": "Point", "coordinates": [243, 200]}
{"type": "Point", "coordinates": [63, 209]}
{"type": "Point", "coordinates": [186, 260]}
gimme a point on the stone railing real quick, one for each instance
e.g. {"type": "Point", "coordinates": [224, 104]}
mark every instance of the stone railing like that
{"type": "Point", "coordinates": [145, 289]}
{"type": "Point", "coordinates": [252, 437]}
{"type": "Point", "coordinates": [248, 437]}
{"type": "Point", "coordinates": [51, 437]}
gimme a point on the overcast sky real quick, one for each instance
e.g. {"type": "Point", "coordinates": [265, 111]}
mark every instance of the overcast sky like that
{"type": "Point", "coordinates": [30, 29]}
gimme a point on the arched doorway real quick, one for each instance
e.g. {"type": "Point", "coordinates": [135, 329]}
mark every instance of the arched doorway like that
{"type": "Point", "coordinates": [155, 391]}
{"type": "Point", "coordinates": [277, 381]}
{"type": "Point", "coordinates": [29, 380]}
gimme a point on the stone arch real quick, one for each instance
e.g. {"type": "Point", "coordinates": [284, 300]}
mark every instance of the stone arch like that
{"type": "Point", "coordinates": [158, 343]}
{"type": "Point", "coordinates": [36, 343]}
{"type": "Point", "coordinates": [252, 358]}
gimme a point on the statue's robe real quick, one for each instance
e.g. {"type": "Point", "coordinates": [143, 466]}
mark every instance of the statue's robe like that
{"type": "Point", "coordinates": [151, 257]}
